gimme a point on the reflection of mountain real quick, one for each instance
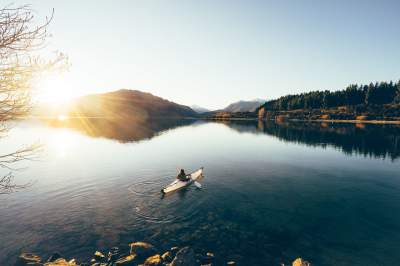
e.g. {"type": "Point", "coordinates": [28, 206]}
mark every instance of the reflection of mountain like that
{"type": "Point", "coordinates": [367, 139]}
{"type": "Point", "coordinates": [127, 130]}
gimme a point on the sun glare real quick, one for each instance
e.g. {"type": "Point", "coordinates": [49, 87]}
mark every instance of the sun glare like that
{"type": "Point", "coordinates": [54, 90]}
{"type": "Point", "coordinates": [62, 117]}
{"type": "Point", "coordinates": [62, 142]}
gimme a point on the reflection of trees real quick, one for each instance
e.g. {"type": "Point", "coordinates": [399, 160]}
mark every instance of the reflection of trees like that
{"type": "Point", "coordinates": [366, 139]}
{"type": "Point", "coordinates": [7, 161]}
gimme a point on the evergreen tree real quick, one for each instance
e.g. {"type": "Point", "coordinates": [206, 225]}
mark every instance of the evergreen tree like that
{"type": "Point", "coordinates": [354, 95]}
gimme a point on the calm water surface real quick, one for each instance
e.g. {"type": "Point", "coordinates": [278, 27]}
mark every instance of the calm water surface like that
{"type": "Point", "coordinates": [271, 193]}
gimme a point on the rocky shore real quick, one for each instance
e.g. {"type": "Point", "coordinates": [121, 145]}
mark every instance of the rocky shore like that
{"type": "Point", "coordinates": [138, 254]}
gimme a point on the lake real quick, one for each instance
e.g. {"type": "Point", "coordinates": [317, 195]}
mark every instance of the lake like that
{"type": "Point", "coordinates": [329, 193]}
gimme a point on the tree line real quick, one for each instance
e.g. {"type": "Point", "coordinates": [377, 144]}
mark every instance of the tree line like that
{"type": "Point", "coordinates": [378, 93]}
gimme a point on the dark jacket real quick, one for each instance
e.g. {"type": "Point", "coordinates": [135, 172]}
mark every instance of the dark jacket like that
{"type": "Point", "coordinates": [182, 176]}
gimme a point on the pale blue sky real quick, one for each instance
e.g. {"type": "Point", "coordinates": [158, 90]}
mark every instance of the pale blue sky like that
{"type": "Point", "coordinates": [212, 53]}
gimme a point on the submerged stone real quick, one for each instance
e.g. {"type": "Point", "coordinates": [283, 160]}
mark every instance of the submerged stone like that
{"type": "Point", "coordinates": [207, 259]}
{"type": "Point", "coordinates": [26, 258]}
{"type": "Point", "coordinates": [113, 254]}
{"type": "Point", "coordinates": [142, 249]}
{"type": "Point", "coordinates": [98, 256]}
{"type": "Point", "coordinates": [300, 262]}
{"type": "Point", "coordinates": [153, 261]}
{"type": "Point", "coordinates": [127, 260]}
{"type": "Point", "coordinates": [73, 262]}
{"type": "Point", "coordinates": [184, 257]}
{"type": "Point", "coordinates": [174, 250]}
{"type": "Point", "coordinates": [167, 256]}
{"type": "Point", "coordinates": [54, 257]}
{"type": "Point", "coordinates": [60, 262]}
{"type": "Point", "coordinates": [209, 254]}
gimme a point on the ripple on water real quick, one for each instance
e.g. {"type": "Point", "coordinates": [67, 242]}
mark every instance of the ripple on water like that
{"type": "Point", "coordinates": [152, 207]}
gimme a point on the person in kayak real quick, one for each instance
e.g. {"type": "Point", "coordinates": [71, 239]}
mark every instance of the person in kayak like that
{"type": "Point", "coordinates": [182, 176]}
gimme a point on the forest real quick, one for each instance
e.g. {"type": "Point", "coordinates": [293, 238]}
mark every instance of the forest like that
{"type": "Point", "coordinates": [379, 93]}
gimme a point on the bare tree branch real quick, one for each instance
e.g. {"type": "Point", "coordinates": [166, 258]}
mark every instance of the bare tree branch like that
{"type": "Point", "coordinates": [8, 186]}
{"type": "Point", "coordinates": [20, 40]}
{"type": "Point", "coordinates": [29, 153]}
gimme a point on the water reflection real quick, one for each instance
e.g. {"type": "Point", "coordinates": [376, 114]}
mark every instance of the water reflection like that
{"type": "Point", "coordinates": [367, 139]}
{"type": "Point", "coordinates": [126, 130]}
{"type": "Point", "coordinates": [62, 142]}
{"type": "Point", "coordinates": [259, 204]}
{"type": "Point", "coordinates": [379, 141]}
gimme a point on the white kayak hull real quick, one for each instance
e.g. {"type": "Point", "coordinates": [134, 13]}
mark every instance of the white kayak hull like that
{"type": "Point", "coordinates": [178, 184]}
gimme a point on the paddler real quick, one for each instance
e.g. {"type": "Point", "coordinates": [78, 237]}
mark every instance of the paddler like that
{"type": "Point", "coordinates": [182, 176]}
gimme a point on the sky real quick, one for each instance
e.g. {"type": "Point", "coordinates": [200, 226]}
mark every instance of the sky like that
{"type": "Point", "coordinates": [212, 53]}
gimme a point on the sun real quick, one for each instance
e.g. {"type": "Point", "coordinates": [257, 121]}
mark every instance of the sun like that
{"type": "Point", "coordinates": [54, 89]}
{"type": "Point", "coordinates": [62, 117]}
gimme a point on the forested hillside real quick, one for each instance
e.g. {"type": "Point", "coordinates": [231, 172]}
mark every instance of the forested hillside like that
{"type": "Point", "coordinates": [372, 94]}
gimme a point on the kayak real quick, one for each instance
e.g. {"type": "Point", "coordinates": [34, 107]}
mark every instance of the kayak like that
{"type": "Point", "coordinates": [178, 184]}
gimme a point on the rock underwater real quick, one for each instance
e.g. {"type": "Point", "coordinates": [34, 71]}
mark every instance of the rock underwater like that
{"type": "Point", "coordinates": [139, 254]}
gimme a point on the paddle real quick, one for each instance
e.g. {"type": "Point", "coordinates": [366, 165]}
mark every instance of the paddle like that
{"type": "Point", "coordinates": [197, 184]}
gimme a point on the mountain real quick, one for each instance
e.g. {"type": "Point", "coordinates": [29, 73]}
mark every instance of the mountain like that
{"type": "Point", "coordinates": [199, 109]}
{"type": "Point", "coordinates": [128, 104]}
{"type": "Point", "coordinates": [243, 106]}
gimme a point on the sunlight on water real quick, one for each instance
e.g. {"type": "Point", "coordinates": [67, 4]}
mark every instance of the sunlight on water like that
{"type": "Point", "coordinates": [62, 142]}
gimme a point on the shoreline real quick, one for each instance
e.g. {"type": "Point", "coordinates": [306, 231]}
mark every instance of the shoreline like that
{"type": "Point", "coordinates": [378, 122]}
{"type": "Point", "coordinates": [382, 122]}
{"type": "Point", "coordinates": [352, 121]}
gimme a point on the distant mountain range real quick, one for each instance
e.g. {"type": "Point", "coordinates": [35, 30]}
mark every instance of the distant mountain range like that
{"type": "Point", "coordinates": [243, 106]}
{"type": "Point", "coordinates": [199, 109]}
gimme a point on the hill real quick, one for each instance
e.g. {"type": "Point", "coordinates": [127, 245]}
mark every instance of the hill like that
{"type": "Point", "coordinates": [378, 101]}
{"type": "Point", "coordinates": [377, 94]}
{"type": "Point", "coordinates": [128, 104]}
